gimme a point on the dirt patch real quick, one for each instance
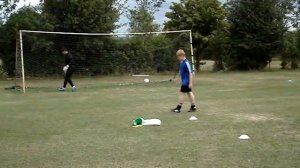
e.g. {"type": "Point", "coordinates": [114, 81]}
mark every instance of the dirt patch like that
{"type": "Point", "coordinates": [254, 117]}
{"type": "Point", "coordinates": [229, 90]}
{"type": "Point", "coordinates": [247, 117]}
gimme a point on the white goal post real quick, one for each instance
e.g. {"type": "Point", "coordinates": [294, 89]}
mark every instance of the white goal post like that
{"type": "Point", "coordinates": [20, 48]}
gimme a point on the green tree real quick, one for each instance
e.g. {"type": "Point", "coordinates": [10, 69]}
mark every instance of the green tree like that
{"type": "Point", "coordinates": [218, 47]}
{"type": "Point", "coordinates": [290, 54]}
{"type": "Point", "coordinates": [203, 17]}
{"type": "Point", "coordinates": [292, 8]}
{"type": "Point", "coordinates": [141, 17]}
{"type": "Point", "coordinates": [85, 16]}
{"type": "Point", "coordinates": [297, 38]}
{"type": "Point", "coordinates": [256, 32]}
{"type": "Point", "coordinates": [6, 7]}
{"type": "Point", "coordinates": [25, 18]}
{"type": "Point", "coordinates": [82, 16]}
{"type": "Point", "coordinates": [146, 49]}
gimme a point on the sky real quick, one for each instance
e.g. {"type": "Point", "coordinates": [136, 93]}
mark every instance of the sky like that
{"type": "Point", "coordinates": [159, 16]}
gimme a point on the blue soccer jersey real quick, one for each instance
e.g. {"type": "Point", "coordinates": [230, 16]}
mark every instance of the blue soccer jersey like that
{"type": "Point", "coordinates": [185, 70]}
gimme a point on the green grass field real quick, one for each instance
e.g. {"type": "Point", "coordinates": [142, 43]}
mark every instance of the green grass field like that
{"type": "Point", "coordinates": [92, 127]}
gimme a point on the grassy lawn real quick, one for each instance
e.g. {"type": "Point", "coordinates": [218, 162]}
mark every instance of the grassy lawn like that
{"type": "Point", "coordinates": [92, 127]}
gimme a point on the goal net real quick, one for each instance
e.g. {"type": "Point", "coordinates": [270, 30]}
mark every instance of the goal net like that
{"type": "Point", "coordinates": [39, 61]}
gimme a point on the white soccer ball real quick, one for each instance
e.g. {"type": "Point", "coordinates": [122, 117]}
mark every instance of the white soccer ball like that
{"type": "Point", "coordinates": [146, 80]}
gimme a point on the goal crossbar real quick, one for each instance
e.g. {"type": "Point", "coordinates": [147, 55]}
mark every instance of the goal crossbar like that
{"type": "Point", "coordinates": [104, 34]}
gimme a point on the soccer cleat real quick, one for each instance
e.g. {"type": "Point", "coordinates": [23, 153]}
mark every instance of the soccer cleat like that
{"type": "Point", "coordinates": [61, 89]}
{"type": "Point", "coordinates": [73, 88]}
{"type": "Point", "coordinates": [176, 110]}
{"type": "Point", "coordinates": [192, 109]}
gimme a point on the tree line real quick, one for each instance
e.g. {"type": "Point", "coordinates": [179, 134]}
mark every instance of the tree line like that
{"type": "Point", "coordinates": [237, 35]}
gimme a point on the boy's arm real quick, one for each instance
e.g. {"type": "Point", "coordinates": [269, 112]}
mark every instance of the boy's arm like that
{"type": "Point", "coordinates": [177, 76]}
{"type": "Point", "coordinates": [191, 80]}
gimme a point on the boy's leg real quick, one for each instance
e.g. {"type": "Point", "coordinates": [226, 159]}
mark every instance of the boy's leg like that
{"type": "Point", "coordinates": [184, 89]}
{"type": "Point", "coordinates": [181, 98]}
{"type": "Point", "coordinates": [192, 101]}
{"type": "Point", "coordinates": [63, 88]}
{"type": "Point", "coordinates": [65, 82]}
{"type": "Point", "coordinates": [68, 77]}
{"type": "Point", "coordinates": [191, 97]}
{"type": "Point", "coordinates": [180, 103]}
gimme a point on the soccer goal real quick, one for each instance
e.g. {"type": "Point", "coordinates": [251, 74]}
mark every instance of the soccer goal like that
{"type": "Point", "coordinates": [137, 55]}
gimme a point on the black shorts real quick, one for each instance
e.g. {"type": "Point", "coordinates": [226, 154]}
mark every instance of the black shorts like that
{"type": "Point", "coordinates": [185, 89]}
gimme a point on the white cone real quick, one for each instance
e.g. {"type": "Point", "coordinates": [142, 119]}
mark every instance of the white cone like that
{"type": "Point", "coordinates": [244, 137]}
{"type": "Point", "coordinates": [193, 118]}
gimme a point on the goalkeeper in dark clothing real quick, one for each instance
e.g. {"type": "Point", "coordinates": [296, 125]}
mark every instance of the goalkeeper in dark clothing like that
{"type": "Point", "coordinates": [68, 69]}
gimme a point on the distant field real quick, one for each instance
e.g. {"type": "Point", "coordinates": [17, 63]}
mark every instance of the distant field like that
{"type": "Point", "coordinates": [92, 127]}
{"type": "Point", "coordinates": [208, 66]}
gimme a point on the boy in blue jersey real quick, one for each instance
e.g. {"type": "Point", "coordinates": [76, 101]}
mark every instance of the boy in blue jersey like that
{"type": "Point", "coordinates": [186, 74]}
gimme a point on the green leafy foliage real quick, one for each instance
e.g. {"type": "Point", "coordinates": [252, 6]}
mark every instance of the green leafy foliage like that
{"type": "Point", "coordinates": [141, 17]}
{"type": "Point", "coordinates": [290, 55]}
{"type": "Point", "coordinates": [242, 35]}
{"type": "Point", "coordinates": [6, 7]}
{"type": "Point", "coordinates": [26, 18]}
{"type": "Point", "coordinates": [256, 32]}
{"type": "Point", "coordinates": [82, 16]}
{"type": "Point", "coordinates": [292, 8]}
{"type": "Point", "coordinates": [203, 17]}
{"type": "Point", "coordinates": [297, 40]}
{"type": "Point", "coordinates": [141, 21]}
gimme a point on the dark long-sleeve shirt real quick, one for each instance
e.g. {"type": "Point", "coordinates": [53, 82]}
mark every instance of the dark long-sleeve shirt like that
{"type": "Point", "coordinates": [69, 60]}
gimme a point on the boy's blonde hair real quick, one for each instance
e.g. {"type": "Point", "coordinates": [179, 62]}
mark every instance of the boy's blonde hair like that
{"type": "Point", "coordinates": [180, 52]}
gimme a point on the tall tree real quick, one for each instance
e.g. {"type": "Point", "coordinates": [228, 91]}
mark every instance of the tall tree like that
{"type": "Point", "coordinates": [292, 10]}
{"type": "Point", "coordinates": [85, 16]}
{"type": "Point", "coordinates": [82, 16]}
{"type": "Point", "coordinates": [141, 17]}
{"type": "Point", "coordinates": [256, 32]}
{"type": "Point", "coordinates": [25, 18]}
{"type": "Point", "coordinates": [203, 17]}
{"type": "Point", "coordinates": [6, 7]}
{"type": "Point", "coordinates": [218, 47]}
{"type": "Point", "coordinates": [290, 54]}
